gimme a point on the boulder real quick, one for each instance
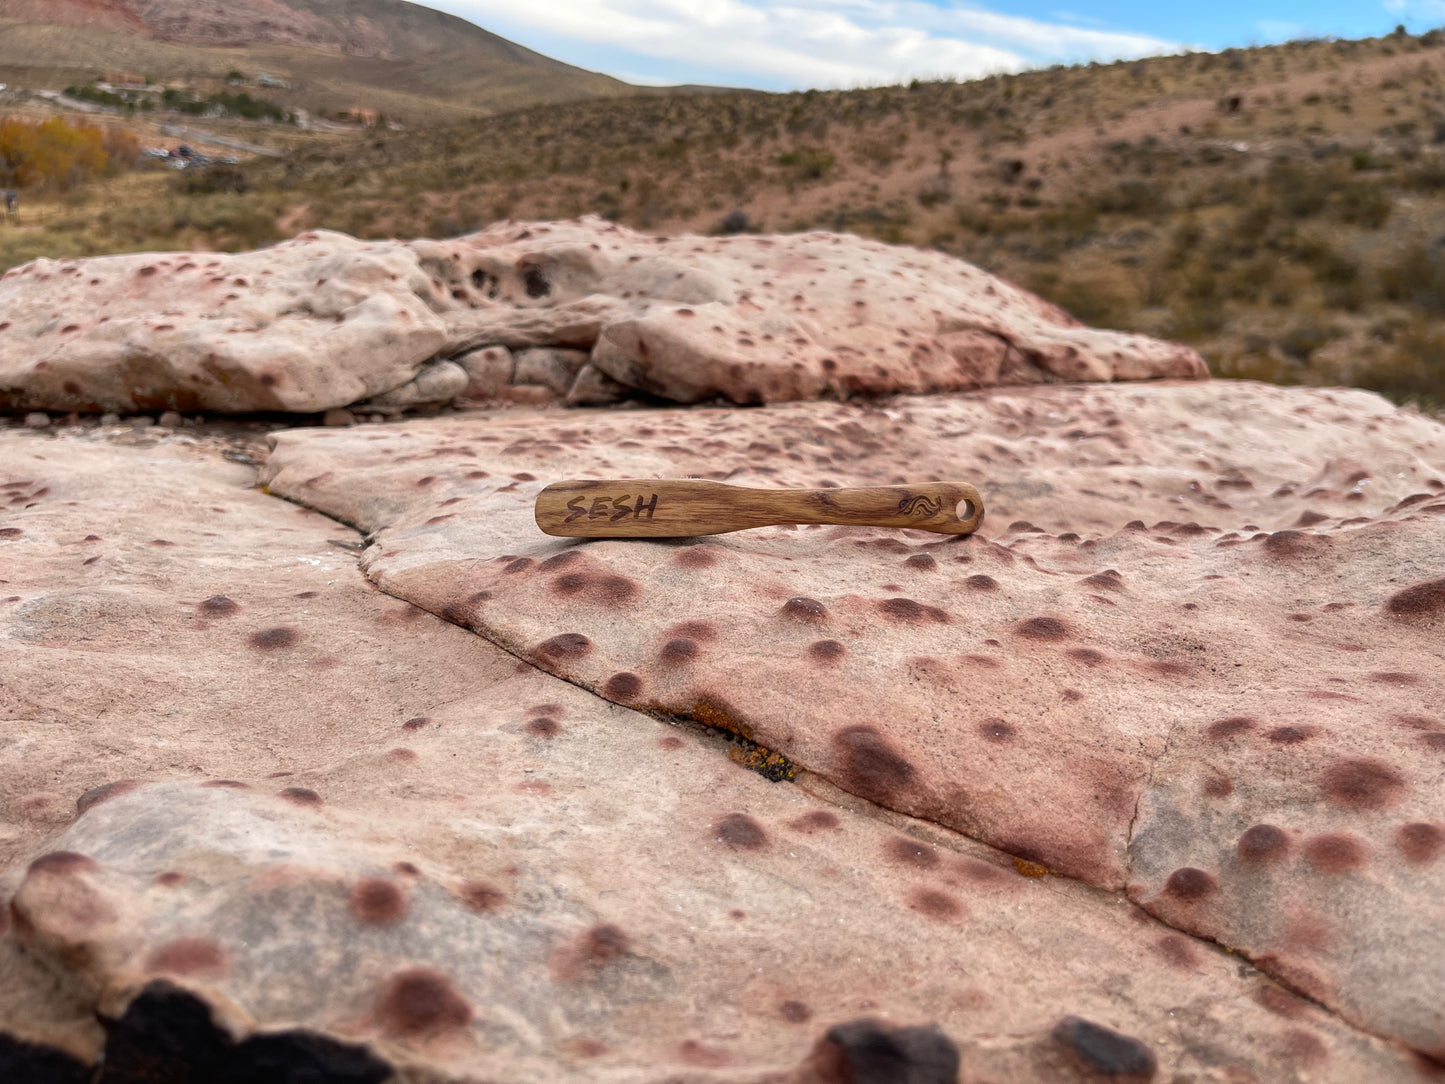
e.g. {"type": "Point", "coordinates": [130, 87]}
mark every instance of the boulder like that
{"type": "Point", "coordinates": [1192, 658]}
{"type": "Point", "coordinates": [327, 321]}
{"type": "Point", "coordinates": [319, 322]}
{"type": "Point", "coordinates": [263, 821]}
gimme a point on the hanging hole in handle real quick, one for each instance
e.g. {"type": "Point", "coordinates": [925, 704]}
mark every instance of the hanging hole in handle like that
{"type": "Point", "coordinates": [965, 510]}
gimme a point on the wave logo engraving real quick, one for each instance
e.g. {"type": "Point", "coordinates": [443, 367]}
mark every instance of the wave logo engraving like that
{"type": "Point", "coordinates": [920, 506]}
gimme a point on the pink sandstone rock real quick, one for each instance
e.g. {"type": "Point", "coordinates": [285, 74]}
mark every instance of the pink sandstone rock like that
{"type": "Point", "coordinates": [311, 324]}
{"type": "Point", "coordinates": [767, 319]}
{"type": "Point", "coordinates": [258, 812]}
{"type": "Point", "coordinates": [1210, 679]}
{"type": "Point", "coordinates": [327, 321]}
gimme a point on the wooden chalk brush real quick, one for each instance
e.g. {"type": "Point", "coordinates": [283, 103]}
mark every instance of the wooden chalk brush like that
{"type": "Point", "coordinates": [682, 507]}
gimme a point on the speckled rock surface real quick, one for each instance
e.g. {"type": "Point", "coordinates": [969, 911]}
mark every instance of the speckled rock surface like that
{"type": "Point", "coordinates": [261, 819]}
{"type": "Point", "coordinates": [327, 321]}
{"type": "Point", "coordinates": [1209, 677]}
{"type": "Point", "coordinates": [769, 319]}
{"type": "Point", "coordinates": [318, 322]}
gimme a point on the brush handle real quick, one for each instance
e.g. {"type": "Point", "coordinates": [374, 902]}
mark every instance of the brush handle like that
{"type": "Point", "coordinates": [682, 507]}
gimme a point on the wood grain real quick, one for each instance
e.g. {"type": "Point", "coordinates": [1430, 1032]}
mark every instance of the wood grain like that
{"type": "Point", "coordinates": [682, 507]}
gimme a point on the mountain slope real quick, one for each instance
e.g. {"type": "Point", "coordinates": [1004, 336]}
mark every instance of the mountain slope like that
{"type": "Point", "coordinates": [398, 58]}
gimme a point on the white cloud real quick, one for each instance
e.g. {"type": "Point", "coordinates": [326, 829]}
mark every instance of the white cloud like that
{"type": "Point", "coordinates": [1418, 9]}
{"type": "Point", "coordinates": [797, 43]}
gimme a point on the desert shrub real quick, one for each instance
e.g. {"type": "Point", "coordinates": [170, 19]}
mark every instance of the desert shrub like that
{"type": "Point", "coordinates": [213, 179]}
{"type": "Point", "coordinates": [1132, 197]}
{"type": "Point", "coordinates": [1416, 277]}
{"type": "Point", "coordinates": [1414, 371]}
{"type": "Point", "coordinates": [1363, 204]}
{"type": "Point", "coordinates": [734, 222]}
{"type": "Point", "coordinates": [807, 163]}
{"type": "Point", "coordinates": [1093, 304]}
{"type": "Point", "coordinates": [1301, 341]}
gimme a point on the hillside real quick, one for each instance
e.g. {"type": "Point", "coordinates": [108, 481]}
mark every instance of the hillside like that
{"type": "Point", "coordinates": [403, 60]}
{"type": "Point", "coordinates": [1278, 208]}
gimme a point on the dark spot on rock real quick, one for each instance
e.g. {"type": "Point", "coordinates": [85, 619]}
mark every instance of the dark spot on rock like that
{"type": "Point", "coordinates": [1043, 628]}
{"type": "Point", "coordinates": [219, 606]}
{"type": "Point", "coordinates": [695, 557]}
{"type": "Point", "coordinates": [740, 831]}
{"type": "Point", "coordinates": [1087, 656]}
{"type": "Point", "coordinates": [1362, 783]}
{"type": "Point", "coordinates": [904, 609]}
{"type": "Point", "coordinates": [62, 863]}
{"type": "Point", "coordinates": [376, 901]}
{"type": "Point", "coordinates": [868, 766]}
{"type": "Point", "coordinates": [703, 632]}
{"type": "Point", "coordinates": [996, 730]}
{"type": "Point", "coordinates": [1177, 951]}
{"type": "Point", "coordinates": [1420, 600]}
{"type": "Point", "coordinates": [1281, 1002]}
{"type": "Point", "coordinates": [981, 583]}
{"type": "Point", "coordinates": [1287, 544]}
{"type": "Point", "coordinates": [277, 639]}
{"type": "Point", "coordinates": [922, 561]}
{"type": "Point", "coordinates": [623, 686]}
{"type": "Point", "coordinates": [420, 1001]}
{"type": "Point", "coordinates": [1232, 727]}
{"type": "Point", "coordinates": [604, 589]}
{"type": "Point", "coordinates": [1306, 1048]}
{"type": "Point", "coordinates": [544, 727]}
{"type": "Point", "coordinates": [872, 1052]}
{"type": "Point", "coordinates": [95, 795]}
{"type": "Point", "coordinates": [226, 784]}
{"type": "Point", "coordinates": [601, 943]}
{"type": "Point", "coordinates": [934, 904]}
{"type": "Point", "coordinates": [1262, 843]}
{"type": "Point", "coordinates": [678, 650]}
{"type": "Point", "coordinates": [1336, 852]}
{"type": "Point", "coordinates": [910, 852]}
{"type": "Point", "coordinates": [795, 1012]}
{"type": "Point", "coordinates": [300, 796]}
{"type": "Point", "coordinates": [820, 820]}
{"type": "Point", "coordinates": [521, 564]}
{"type": "Point", "coordinates": [535, 281]}
{"type": "Point", "coordinates": [170, 878]}
{"type": "Point", "coordinates": [804, 609]}
{"type": "Point", "coordinates": [481, 897]}
{"type": "Point", "coordinates": [188, 956]}
{"type": "Point", "coordinates": [1108, 580]}
{"type": "Point", "coordinates": [416, 722]}
{"type": "Point", "coordinates": [1101, 1050]}
{"type": "Point", "coordinates": [559, 561]}
{"type": "Point", "coordinates": [826, 650]}
{"type": "Point", "coordinates": [569, 645]}
{"type": "Point", "coordinates": [671, 742]}
{"type": "Point", "coordinates": [1394, 677]}
{"type": "Point", "coordinates": [1190, 885]}
{"type": "Point", "coordinates": [1290, 735]}
{"type": "Point", "coordinates": [1218, 786]}
{"type": "Point", "coordinates": [1420, 841]}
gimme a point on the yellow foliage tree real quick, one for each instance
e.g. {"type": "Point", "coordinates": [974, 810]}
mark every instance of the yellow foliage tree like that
{"type": "Point", "coordinates": [51, 154]}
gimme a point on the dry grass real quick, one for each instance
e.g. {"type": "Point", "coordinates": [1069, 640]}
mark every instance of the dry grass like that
{"type": "Point", "coordinates": [1278, 208]}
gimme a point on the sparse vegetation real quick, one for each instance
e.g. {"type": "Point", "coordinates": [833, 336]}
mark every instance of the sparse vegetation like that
{"type": "Point", "coordinates": [1254, 203]}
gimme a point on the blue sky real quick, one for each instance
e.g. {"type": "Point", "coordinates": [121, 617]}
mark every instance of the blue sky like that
{"type": "Point", "coordinates": [795, 44]}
